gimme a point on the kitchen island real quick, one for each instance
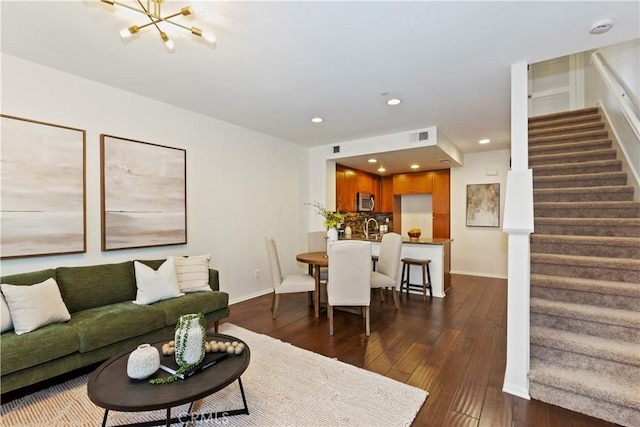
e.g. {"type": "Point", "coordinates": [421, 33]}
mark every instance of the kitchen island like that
{"type": "Point", "coordinates": [436, 250]}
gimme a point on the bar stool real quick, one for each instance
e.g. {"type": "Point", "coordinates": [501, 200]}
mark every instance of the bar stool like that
{"type": "Point", "coordinates": [426, 276]}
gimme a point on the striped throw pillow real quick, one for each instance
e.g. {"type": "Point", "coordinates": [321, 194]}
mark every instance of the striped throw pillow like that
{"type": "Point", "coordinates": [193, 273]}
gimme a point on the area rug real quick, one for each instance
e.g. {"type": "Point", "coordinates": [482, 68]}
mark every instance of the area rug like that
{"type": "Point", "coordinates": [284, 385]}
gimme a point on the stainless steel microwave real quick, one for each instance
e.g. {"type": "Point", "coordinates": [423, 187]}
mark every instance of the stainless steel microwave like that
{"type": "Point", "coordinates": [365, 202]}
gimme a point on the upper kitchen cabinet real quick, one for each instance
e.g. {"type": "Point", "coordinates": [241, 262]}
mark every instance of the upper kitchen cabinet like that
{"type": "Point", "coordinates": [441, 202]}
{"type": "Point", "coordinates": [350, 182]}
{"type": "Point", "coordinates": [386, 194]}
{"type": "Point", "coordinates": [413, 183]}
{"type": "Point", "coordinates": [441, 189]}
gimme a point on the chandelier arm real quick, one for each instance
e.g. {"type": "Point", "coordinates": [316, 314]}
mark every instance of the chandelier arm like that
{"type": "Point", "coordinates": [151, 17]}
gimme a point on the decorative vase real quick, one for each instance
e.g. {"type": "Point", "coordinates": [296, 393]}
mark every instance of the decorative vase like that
{"type": "Point", "coordinates": [190, 337]}
{"type": "Point", "coordinates": [332, 236]}
{"type": "Point", "coordinates": [143, 362]}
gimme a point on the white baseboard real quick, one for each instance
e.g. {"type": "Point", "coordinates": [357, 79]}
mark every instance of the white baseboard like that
{"type": "Point", "coordinates": [251, 296]}
{"type": "Point", "coordinates": [475, 273]}
{"type": "Point", "coordinates": [516, 390]}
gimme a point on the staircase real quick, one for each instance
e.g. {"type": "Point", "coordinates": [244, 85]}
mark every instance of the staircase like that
{"type": "Point", "coordinates": [585, 270]}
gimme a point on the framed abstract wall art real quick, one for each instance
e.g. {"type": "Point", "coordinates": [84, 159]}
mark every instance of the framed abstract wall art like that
{"type": "Point", "coordinates": [42, 194]}
{"type": "Point", "coordinates": [483, 205]}
{"type": "Point", "coordinates": [144, 200]}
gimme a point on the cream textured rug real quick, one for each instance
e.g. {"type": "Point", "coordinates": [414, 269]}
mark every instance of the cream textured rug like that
{"type": "Point", "coordinates": [284, 385]}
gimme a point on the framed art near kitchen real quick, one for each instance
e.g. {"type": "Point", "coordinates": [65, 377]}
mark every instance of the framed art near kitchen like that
{"type": "Point", "coordinates": [143, 194]}
{"type": "Point", "coordinates": [483, 205]}
{"type": "Point", "coordinates": [42, 193]}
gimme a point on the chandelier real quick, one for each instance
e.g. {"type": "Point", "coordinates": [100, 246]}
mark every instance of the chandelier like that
{"type": "Point", "coordinates": [153, 11]}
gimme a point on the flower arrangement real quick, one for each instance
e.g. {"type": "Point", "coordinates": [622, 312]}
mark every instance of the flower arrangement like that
{"type": "Point", "coordinates": [331, 218]}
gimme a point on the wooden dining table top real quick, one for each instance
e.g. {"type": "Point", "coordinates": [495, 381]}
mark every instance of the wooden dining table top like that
{"type": "Point", "coordinates": [315, 258]}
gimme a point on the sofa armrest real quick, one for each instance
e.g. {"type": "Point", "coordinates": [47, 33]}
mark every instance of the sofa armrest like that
{"type": "Point", "coordinates": [214, 279]}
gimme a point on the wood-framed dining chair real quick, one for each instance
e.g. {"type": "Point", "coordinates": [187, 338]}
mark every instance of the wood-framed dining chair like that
{"type": "Point", "coordinates": [288, 284]}
{"type": "Point", "coordinates": [349, 282]}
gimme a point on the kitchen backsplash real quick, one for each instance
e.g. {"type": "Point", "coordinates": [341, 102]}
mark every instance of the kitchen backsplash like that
{"type": "Point", "coordinates": [356, 220]}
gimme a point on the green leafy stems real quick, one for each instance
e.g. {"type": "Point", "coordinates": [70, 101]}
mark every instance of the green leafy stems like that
{"type": "Point", "coordinates": [183, 323]}
{"type": "Point", "coordinates": [331, 218]}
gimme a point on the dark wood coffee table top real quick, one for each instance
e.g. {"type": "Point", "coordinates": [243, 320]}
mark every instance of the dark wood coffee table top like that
{"type": "Point", "coordinates": [109, 386]}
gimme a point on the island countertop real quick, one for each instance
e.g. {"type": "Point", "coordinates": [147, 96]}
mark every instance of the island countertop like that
{"type": "Point", "coordinates": [405, 240]}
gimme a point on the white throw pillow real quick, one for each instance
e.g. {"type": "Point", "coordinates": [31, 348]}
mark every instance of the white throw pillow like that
{"type": "Point", "coordinates": [156, 285]}
{"type": "Point", "coordinates": [193, 273]}
{"type": "Point", "coordinates": [5, 315]}
{"type": "Point", "coordinates": [35, 306]}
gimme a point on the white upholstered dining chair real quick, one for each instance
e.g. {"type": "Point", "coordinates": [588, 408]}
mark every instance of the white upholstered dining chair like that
{"type": "Point", "coordinates": [349, 282]}
{"type": "Point", "coordinates": [388, 264]}
{"type": "Point", "coordinates": [284, 285]}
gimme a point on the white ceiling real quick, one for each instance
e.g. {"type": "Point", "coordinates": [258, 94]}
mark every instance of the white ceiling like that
{"type": "Point", "coordinates": [278, 64]}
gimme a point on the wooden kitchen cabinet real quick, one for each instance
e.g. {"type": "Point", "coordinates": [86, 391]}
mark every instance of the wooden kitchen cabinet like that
{"type": "Point", "coordinates": [386, 194]}
{"type": "Point", "coordinates": [413, 183]}
{"type": "Point", "coordinates": [350, 182]}
{"type": "Point", "coordinates": [441, 200]}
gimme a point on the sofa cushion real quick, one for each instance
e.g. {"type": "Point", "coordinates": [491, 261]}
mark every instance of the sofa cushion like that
{"type": "Point", "coordinates": [101, 326]}
{"type": "Point", "coordinates": [34, 306]}
{"type": "Point", "coordinates": [30, 278]}
{"type": "Point", "coordinates": [155, 285]}
{"type": "Point", "coordinates": [42, 345]}
{"type": "Point", "coordinates": [193, 273]}
{"type": "Point", "coordinates": [93, 286]}
{"type": "Point", "coordinates": [5, 316]}
{"type": "Point", "coordinates": [200, 302]}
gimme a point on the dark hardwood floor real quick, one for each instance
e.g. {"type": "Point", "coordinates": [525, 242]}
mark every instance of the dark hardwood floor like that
{"type": "Point", "coordinates": [455, 348]}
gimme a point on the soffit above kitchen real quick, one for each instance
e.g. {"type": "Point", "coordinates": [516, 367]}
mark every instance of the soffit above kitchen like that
{"type": "Point", "coordinates": [279, 64]}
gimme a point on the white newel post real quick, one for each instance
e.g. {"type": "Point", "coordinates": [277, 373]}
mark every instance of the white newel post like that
{"type": "Point", "coordinates": [518, 223]}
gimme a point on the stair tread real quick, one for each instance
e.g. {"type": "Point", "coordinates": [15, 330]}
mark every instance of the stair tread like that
{"type": "Point", "coordinates": [587, 240]}
{"type": "Point", "coordinates": [568, 145]}
{"type": "Point", "coordinates": [579, 177]}
{"type": "Point", "coordinates": [587, 221]}
{"type": "Point", "coordinates": [602, 348]}
{"type": "Point", "coordinates": [589, 261]}
{"type": "Point", "coordinates": [573, 154]}
{"type": "Point", "coordinates": [610, 316]}
{"type": "Point", "coordinates": [589, 383]}
{"type": "Point", "coordinates": [592, 205]}
{"type": "Point", "coordinates": [568, 166]}
{"type": "Point", "coordinates": [606, 287]}
{"type": "Point", "coordinates": [597, 134]}
{"type": "Point", "coordinates": [564, 115]}
{"type": "Point", "coordinates": [599, 189]}
{"type": "Point", "coordinates": [566, 127]}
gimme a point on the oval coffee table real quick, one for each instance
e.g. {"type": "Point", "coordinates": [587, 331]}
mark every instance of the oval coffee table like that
{"type": "Point", "coordinates": [109, 387]}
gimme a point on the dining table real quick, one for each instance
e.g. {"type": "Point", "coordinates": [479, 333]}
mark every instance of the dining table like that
{"type": "Point", "coordinates": [315, 260]}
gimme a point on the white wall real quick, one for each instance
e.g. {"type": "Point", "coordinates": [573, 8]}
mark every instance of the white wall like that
{"type": "Point", "coordinates": [417, 212]}
{"type": "Point", "coordinates": [241, 185]}
{"type": "Point", "coordinates": [479, 251]}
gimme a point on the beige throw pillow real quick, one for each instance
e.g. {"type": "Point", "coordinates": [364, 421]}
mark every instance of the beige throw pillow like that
{"type": "Point", "coordinates": [35, 306]}
{"type": "Point", "coordinates": [156, 285]}
{"type": "Point", "coordinates": [193, 273]}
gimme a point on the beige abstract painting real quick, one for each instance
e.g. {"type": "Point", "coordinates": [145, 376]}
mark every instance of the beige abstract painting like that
{"type": "Point", "coordinates": [42, 197]}
{"type": "Point", "coordinates": [143, 194]}
{"type": "Point", "coordinates": [483, 205]}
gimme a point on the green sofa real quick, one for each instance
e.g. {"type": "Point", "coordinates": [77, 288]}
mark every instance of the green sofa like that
{"type": "Point", "coordinates": [104, 321]}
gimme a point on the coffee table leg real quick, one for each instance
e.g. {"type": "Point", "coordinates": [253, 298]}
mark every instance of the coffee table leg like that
{"type": "Point", "coordinates": [244, 399]}
{"type": "Point", "coordinates": [104, 419]}
{"type": "Point", "coordinates": [168, 417]}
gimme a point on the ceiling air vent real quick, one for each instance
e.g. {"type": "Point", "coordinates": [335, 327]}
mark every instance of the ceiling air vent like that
{"type": "Point", "coordinates": [419, 136]}
{"type": "Point", "coordinates": [336, 148]}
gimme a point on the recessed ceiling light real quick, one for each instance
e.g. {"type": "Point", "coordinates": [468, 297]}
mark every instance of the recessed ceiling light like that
{"type": "Point", "coordinates": [484, 141]}
{"type": "Point", "coordinates": [444, 160]}
{"type": "Point", "coordinates": [381, 169]}
{"type": "Point", "coordinates": [372, 160]}
{"type": "Point", "coordinates": [394, 101]}
{"type": "Point", "coordinates": [415, 166]}
{"type": "Point", "coordinates": [317, 120]}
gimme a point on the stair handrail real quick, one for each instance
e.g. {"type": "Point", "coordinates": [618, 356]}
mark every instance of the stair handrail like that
{"type": "Point", "coordinates": [617, 89]}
